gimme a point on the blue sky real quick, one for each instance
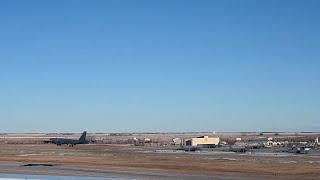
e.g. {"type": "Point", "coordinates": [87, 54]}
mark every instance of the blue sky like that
{"type": "Point", "coordinates": [136, 66]}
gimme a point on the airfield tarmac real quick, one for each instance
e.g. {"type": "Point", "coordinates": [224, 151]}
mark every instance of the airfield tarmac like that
{"type": "Point", "coordinates": [135, 162]}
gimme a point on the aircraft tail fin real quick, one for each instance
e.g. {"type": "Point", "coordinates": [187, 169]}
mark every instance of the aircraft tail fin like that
{"type": "Point", "coordinates": [82, 139]}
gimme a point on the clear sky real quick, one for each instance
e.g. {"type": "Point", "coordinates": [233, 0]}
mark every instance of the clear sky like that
{"type": "Point", "coordinates": [128, 66]}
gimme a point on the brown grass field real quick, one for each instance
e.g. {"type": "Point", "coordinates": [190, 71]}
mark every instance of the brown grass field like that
{"type": "Point", "coordinates": [144, 163]}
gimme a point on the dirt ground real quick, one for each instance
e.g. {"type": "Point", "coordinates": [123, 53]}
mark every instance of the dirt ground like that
{"type": "Point", "coordinates": [145, 163]}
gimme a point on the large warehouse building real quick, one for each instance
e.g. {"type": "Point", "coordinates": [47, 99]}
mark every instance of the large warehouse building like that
{"type": "Point", "coordinates": [203, 141]}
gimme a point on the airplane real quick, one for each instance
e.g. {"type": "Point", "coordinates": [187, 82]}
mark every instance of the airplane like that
{"type": "Point", "coordinates": [70, 142]}
{"type": "Point", "coordinates": [299, 150]}
{"type": "Point", "coordinates": [237, 149]}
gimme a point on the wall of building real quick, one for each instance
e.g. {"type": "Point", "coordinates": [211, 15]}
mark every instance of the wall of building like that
{"type": "Point", "coordinates": [205, 141]}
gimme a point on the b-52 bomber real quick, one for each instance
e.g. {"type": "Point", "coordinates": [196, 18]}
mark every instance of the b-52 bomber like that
{"type": "Point", "coordinates": [69, 142]}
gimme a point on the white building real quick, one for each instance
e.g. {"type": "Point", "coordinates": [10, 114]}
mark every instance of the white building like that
{"type": "Point", "coordinates": [203, 140]}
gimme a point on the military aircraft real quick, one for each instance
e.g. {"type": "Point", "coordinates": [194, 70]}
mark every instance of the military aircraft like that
{"type": "Point", "coordinates": [70, 142]}
{"type": "Point", "coordinates": [238, 149]}
{"type": "Point", "coordinates": [299, 150]}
